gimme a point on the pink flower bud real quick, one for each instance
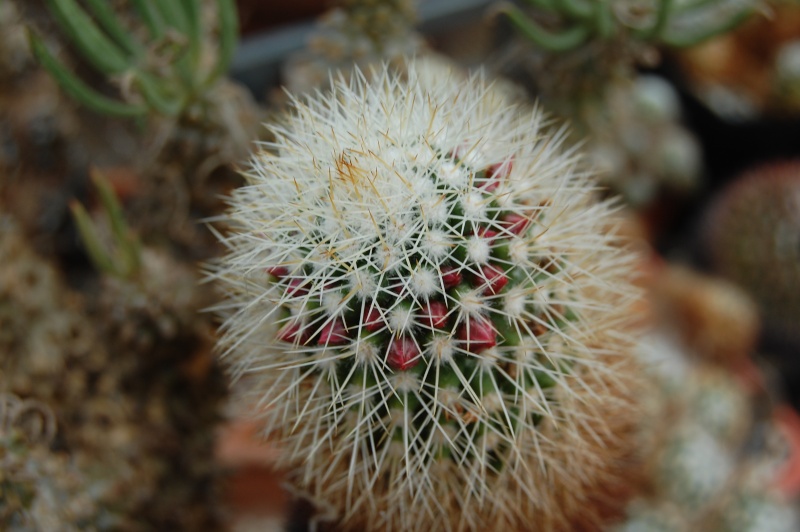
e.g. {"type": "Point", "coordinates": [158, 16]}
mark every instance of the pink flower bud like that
{"type": "Point", "coordinates": [371, 318]}
{"type": "Point", "coordinates": [403, 353]}
{"type": "Point", "coordinates": [434, 314]}
{"type": "Point", "coordinates": [293, 332]}
{"type": "Point", "coordinates": [516, 224]}
{"type": "Point", "coordinates": [333, 333]}
{"type": "Point", "coordinates": [493, 278]}
{"type": "Point", "coordinates": [450, 276]}
{"type": "Point", "coordinates": [277, 271]}
{"type": "Point", "coordinates": [495, 174]}
{"type": "Point", "coordinates": [501, 170]}
{"type": "Point", "coordinates": [479, 334]}
{"type": "Point", "coordinates": [296, 287]}
{"type": "Point", "coordinates": [485, 232]}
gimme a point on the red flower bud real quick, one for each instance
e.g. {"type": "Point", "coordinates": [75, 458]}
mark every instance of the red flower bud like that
{"type": "Point", "coordinates": [479, 334]}
{"type": "Point", "coordinates": [493, 278]}
{"type": "Point", "coordinates": [434, 314]}
{"type": "Point", "coordinates": [516, 224]}
{"type": "Point", "coordinates": [293, 332]}
{"type": "Point", "coordinates": [496, 173]}
{"type": "Point", "coordinates": [403, 353]}
{"type": "Point", "coordinates": [277, 271]}
{"type": "Point", "coordinates": [485, 232]}
{"type": "Point", "coordinates": [333, 333]}
{"type": "Point", "coordinates": [371, 318]}
{"type": "Point", "coordinates": [450, 276]}
{"type": "Point", "coordinates": [501, 170]}
{"type": "Point", "coordinates": [296, 287]}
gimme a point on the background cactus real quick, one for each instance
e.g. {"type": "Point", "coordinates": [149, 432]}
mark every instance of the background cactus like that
{"type": "Point", "coordinates": [356, 33]}
{"type": "Point", "coordinates": [752, 235]}
{"type": "Point", "coordinates": [431, 307]}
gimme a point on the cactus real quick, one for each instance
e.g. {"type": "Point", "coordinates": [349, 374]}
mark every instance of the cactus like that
{"type": "Point", "coordinates": [354, 32]}
{"type": "Point", "coordinates": [752, 235]}
{"type": "Point", "coordinates": [432, 307]}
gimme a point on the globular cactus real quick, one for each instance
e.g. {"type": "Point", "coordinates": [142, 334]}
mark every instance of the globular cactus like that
{"type": "Point", "coordinates": [354, 33]}
{"type": "Point", "coordinates": [433, 309]}
{"type": "Point", "coordinates": [752, 234]}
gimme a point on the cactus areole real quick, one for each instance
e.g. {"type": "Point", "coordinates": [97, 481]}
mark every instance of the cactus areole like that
{"type": "Point", "coordinates": [429, 300]}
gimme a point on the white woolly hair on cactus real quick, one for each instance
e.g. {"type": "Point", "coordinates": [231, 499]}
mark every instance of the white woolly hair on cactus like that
{"type": "Point", "coordinates": [434, 308]}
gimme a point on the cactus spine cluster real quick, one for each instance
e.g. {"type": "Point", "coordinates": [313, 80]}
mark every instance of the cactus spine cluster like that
{"type": "Point", "coordinates": [433, 308]}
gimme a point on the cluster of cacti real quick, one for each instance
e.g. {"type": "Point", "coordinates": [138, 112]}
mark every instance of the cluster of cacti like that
{"type": "Point", "coordinates": [631, 123]}
{"type": "Point", "coordinates": [116, 409]}
{"type": "Point", "coordinates": [39, 488]}
{"type": "Point", "coordinates": [710, 466]}
{"type": "Point", "coordinates": [582, 44]}
{"type": "Point", "coordinates": [48, 355]}
{"type": "Point", "coordinates": [752, 239]}
{"type": "Point", "coordinates": [432, 306]}
{"type": "Point", "coordinates": [355, 33]}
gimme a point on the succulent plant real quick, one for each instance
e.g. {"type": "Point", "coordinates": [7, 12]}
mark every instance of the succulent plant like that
{"type": "Point", "coordinates": [432, 307]}
{"type": "Point", "coordinates": [671, 22]}
{"type": "Point", "coordinates": [169, 73]}
{"type": "Point", "coordinates": [752, 234]}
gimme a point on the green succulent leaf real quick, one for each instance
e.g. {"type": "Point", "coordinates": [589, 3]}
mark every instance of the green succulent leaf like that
{"type": "Point", "coordinates": [554, 42]}
{"type": "Point", "coordinates": [174, 14]}
{"type": "Point", "coordinates": [112, 25]}
{"type": "Point", "coordinates": [129, 247]}
{"type": "Point", "coordinates": [97, 253]}
{"type": "Point", "coordinates": [151, 17]}
{"type": "Point", "coordinates": [154, 93]}
{"type": "Point", "coordinates": [125, 260]}
{"type": "Point", "coordinates": [579, 8]}
{"type": "Point", "coordinates": [93, 44]}
{"type": "Point", "coordinates": [194, 30]}
{"type": "Point", "coordinates": [76, 88]}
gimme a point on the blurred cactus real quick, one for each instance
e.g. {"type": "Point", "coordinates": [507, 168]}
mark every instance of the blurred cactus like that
{"type": "Point", "coordinates": [434, 309]}
{"type": "Point", "coordinates": [786, 78]}
{"type": "Point", "coordinates": [170, 73]}
{"type": "Point", "coordinates": [355, 33]}
{"type": "Point", "coordinates": [636, 140]}
{"type": "Point", "coordinates": [127, 435]}
{"type": "Point", "coordinates": [579, 57]}
{"type": "Point", "coordinates": [572, 23]}
{"type": "Point", "coordinates": [715, 319]}
{"type": "Point", "coordinates": [713, 464]}
{"type": "Point", "coordinates": [752, 237]}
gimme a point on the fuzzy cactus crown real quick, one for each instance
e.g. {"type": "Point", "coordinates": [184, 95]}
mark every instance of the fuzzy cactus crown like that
{"type": "Point", "coordinates": [430, 302]}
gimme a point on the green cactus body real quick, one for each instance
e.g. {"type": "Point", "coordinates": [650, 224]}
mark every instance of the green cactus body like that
{"type": "Point", "coordinates": [431, 305]}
